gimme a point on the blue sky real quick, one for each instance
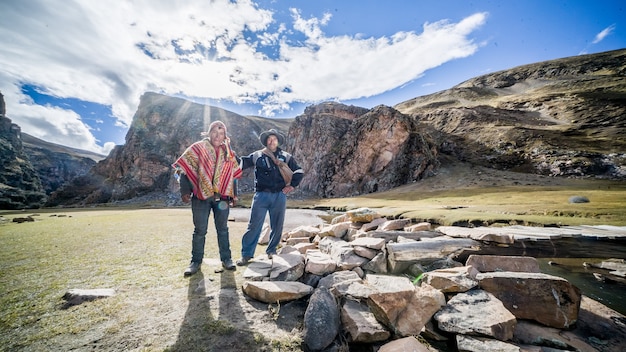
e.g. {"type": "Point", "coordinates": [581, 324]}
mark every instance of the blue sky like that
{"type": "Point", "coordinates": [72, 72]}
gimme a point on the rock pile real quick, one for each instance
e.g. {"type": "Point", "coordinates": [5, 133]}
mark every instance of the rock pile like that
{"type": "Point", "coordinates": [380, 283]}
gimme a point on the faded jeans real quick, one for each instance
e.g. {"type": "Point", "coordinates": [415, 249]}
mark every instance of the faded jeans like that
{"type": "Point", "coordinates": [200, 210]}
{"type": "Point", "coordinates": [262, 203]}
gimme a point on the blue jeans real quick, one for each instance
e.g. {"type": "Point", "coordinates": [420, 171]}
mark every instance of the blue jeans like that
{"type": "Point", "coordinates": [262, 203]}
{"type": "Point", "coordinates": [200, 210]}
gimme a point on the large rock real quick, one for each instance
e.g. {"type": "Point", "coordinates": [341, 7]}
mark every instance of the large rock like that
{"type": "Point", "coordinates": [363, 215]}
{"type": "Point", "coordinates": [276, 291]}
{"type": "Point", "coordinates": [20, 185]}
{"type": "Point", "coordinates": [361, 324]}
{"type": "Point", "coordinates": [547, 299]}
{"type": "Point", "coordinates": [477, 312]}
{"type": "Point", "coordinates": [287, 266]}
{"type": "Point", "coordinates": [401, 255]}
{"type": "Point", "coordinates": [480, 344]}
{"type": "Point", "coordinates": [404, 345]}
{"type": "Point", "coordinates": [406, 312]}
{"type": "Point", "coordinates": [460, 279]}
{"type": "Point", "coordinates": [322, 320]}
{"type": "Point", "coordinates": [530, 333]}
{"type": "Point", "coordinates": [319, 263]}
{"type": "Point", "coordinates": [488, 263]}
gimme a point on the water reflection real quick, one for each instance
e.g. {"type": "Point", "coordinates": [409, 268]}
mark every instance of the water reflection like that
{"type": "Point", "coordinates": [611, 294]}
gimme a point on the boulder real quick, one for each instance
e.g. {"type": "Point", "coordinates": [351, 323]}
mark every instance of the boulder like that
{"type": "Point", "coordinates": [476, 312]}
{"type": "Point", "coordinates": [372, 225]}
{"type": "Point", "coordinates": [406, 312]}
{"type": "Point", "coordinates": [481, 344]}
{"type": "Point", "coordinates": [459, 279]}
{"type": "Point", "coordinates": [398, 224]}
{"type": "Point", "coordinates": [360, 324]}
{"type": "Point", "coordinates": [403, 345]}
{"type": "Point", "coordinates": [322, 321]}
{"type": "Point", "coordinates": [487, 263]}
{"type": "Point", "coordinates": [276, 291]}
{"type": "Point", "coordinates": [369, 242]}
{"type": "Point", "coordinates": [365, 252]}
{"type": "Point", "coordinates": [378, 264]}
{"type": "Point", "coordinates": [287, 266]}
{"type": "Point", "coordinates": [319, 263]}
{"type": "Point", "coordinates": [364, 215]}
{"type": "Point", "coordinates": [547, 299]}
{"type": "Point", "coordinates": [338, 277]}
{"type": "Point", "coordinates": [258, 270]}
{"type": "Point", "coordinates": [422, 226]}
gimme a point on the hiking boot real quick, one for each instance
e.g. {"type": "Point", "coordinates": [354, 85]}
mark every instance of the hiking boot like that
{"type": "Point", "coordinates": [228, 265]}
{"type": "Point", "coordinates": [271, 255]}
{"type": "Point", "coordinates": [192, 269]}
{"type": "Point", "coordinates": [243, 261]}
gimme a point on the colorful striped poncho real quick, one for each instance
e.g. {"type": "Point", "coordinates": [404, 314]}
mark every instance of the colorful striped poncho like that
{"type": "Point", "coordinates": [209, 172]}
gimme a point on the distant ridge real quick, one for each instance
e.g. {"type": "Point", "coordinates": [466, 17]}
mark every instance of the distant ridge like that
{"type": "Point", "coordinates": [30, 141]}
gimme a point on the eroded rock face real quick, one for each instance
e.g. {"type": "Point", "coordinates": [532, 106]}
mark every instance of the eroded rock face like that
{"type": "Point", "coordinates": [20, 184]}
{"type": "Point", "coordinates": [348, 151]}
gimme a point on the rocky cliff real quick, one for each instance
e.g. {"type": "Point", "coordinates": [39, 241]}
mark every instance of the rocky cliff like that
{"type": "Point", "coordinates": [55, 164]}
{"type": "Point", "coordinates": [20, 186]}
{"type": "Point", "coordinates": [163, 127]}
{"type": "Point", "coordinates": [564, 117]}
{"type": "Point", "coordinates": [346, 150]}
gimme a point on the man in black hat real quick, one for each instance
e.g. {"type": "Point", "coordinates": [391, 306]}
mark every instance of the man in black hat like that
{"type": "Point", "coordinates": [271, 186]}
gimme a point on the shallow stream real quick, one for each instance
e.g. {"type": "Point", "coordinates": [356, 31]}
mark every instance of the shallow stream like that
{"type": "Point", "coordinates": [611, 294]}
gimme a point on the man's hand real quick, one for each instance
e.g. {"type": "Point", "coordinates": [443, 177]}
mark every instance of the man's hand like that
{"type": "Point", "coordinates": [288, 189]}
{"type": "Point", "coordinates": [185, 198]}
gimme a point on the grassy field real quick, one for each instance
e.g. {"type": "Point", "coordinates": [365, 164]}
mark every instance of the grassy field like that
{"type": "Point", "coordinates": [520, 205]}
{"type": "Point", "coordinates": [141, 253]}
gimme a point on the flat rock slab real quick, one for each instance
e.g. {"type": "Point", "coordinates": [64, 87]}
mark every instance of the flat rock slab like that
{"type": "Point", "coordinates": [276, 291]}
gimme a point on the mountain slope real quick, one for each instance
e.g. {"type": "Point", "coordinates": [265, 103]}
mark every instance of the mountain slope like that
{"type": "Point", "coordinates": [564, 117]}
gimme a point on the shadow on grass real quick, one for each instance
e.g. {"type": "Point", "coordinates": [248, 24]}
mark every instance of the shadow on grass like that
{"type": "Point", "coordinates": [194, 333]}
{"type": "Point", "coordinates": [201, 331]}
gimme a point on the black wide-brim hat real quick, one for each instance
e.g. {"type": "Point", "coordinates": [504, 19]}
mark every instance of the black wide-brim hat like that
{"type": "Point", "coordinates": [264, 135]}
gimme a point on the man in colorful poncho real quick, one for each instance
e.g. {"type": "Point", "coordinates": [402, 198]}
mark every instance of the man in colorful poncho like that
{"type": "Point", "coordinates": [208, 172]}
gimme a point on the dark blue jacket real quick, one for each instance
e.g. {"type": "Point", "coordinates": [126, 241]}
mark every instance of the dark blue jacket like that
{"type": "Point", "coordinates": [267, 177]}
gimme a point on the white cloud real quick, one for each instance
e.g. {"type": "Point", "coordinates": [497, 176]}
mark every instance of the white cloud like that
{"type": "Point", "coordinates": [111, 53]}
{"type": "Point", "coordinates": [603, 34]}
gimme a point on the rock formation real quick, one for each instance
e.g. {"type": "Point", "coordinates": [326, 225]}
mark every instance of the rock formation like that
{"type": "Point", "coordinates": [20, 186]}
{"type": "Point", "coordinates": [56, 164]}
{"type": "Point", "coordinates": [348, 151]}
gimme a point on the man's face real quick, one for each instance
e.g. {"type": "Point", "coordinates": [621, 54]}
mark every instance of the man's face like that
{"type": "Point", "coordinates": [272, 143]}
{"type": "Point", "coordinates": [217, 136]}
